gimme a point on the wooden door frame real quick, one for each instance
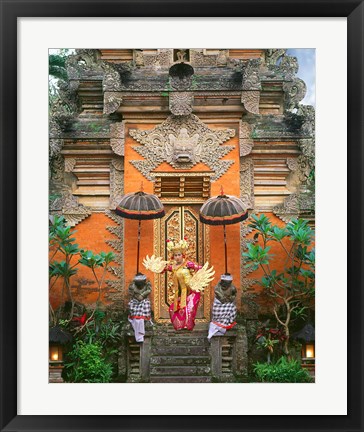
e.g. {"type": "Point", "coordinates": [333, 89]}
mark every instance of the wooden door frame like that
{"type": "Point", "coordinates": [159, 250]}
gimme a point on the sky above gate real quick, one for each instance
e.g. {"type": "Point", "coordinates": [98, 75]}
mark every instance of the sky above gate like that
{"type": "Point", "coordinates": [307, 71]}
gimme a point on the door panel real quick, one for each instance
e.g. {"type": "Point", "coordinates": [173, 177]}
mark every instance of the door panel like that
{"type": "Point", "coordinates": [179, 222]}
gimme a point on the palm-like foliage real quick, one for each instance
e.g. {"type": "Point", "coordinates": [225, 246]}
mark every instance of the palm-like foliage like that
{"type": "Point", "coordinates": [291, 285]}
{"type": "Point", "coordinates": [57, 67]}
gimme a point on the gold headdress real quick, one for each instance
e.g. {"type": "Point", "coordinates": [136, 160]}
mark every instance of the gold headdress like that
{"type": "Point", "coordinates": [175, 247]}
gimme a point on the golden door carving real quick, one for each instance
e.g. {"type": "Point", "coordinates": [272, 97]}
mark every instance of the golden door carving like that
{"type": "Point", "coordinates": [180, 222]}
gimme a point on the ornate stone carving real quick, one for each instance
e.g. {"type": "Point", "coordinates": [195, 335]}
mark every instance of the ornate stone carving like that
{"type": "Point", "coordinates": [55, 141]}
{"type": "Point", "coordinates": [245, 282]}
{"type": "Point", "coordinates": [292, 164]}
{"type": "Point", "coordinates": [251, 79]}
{"type": "Point", "coordinates": [245, 142]}
{"type": "Point", "coordinates": [117, 138]}
{"type": "Point", "coordinates": [181, 103]}
{"type": "Point", "coordinates": [225, 291]}
{"type": "Point", "coordinates": [82, 60]}
{"type": "Point", "coordinates": [57, 168]}
{"type": "Point", "coordinates": [273, 55]}
{"type": "Point", "coordinates": [287, 68]}
{"type": "Point", "coordinates": [117, 294]}
{"type": "Point", "coordinates": [247, 182]}
{"type": "Point", "coordinates": [180, 83]}
{"type": "Point", "coordinates": [307, 112]}
{"type": "Point", "coordinates": [182, 141]}
{"type": "Point", "coordinates": [112, 81]}
{"type": "Point", "coordinates": [138, 57]}
{"type": "Point", "coordinates": [112, 101]}
{"type": "Point", "coordinates": [295, 91]}
{"type": "Point", "coordinates": [307, 147]}
{"type": "Point", "coordinates": [85, 62]}
{"type": "Point", "coordinates": [68, 206]}
{"type": "Point", "coordinates": [250, 99]}
{"type": "Point", "coordinates": [181, 55]}
{"type": "Point", "coordinates": [198, 58]}
{"type": "Point", "coordinates": [139, 289]}
{"type": "Point", "coordinates": [163, 58]}
{"type": "Point", "coordinates": [300, 166]}
{"type": "Point", "coordinates": [222, 57]}
{"type": "Point", "coordinates": [296, 205]}
{"type": "Point", "coordinates": [116, 182]}
{"type": "Point", "coordinates": [69, 164]}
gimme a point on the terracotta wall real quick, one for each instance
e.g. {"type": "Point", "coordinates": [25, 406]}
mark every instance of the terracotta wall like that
{"type": "Point", "coordinates": [90, 234]}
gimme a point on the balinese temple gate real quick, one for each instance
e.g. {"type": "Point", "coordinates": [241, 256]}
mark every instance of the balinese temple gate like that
{"type": "Point", "coordinates": [181, 124]}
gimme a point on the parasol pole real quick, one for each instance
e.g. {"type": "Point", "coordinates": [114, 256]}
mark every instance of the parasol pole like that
{"type": "Point", "coordinates": [225, 249]}
{"type": "Point", "coordinates": [139, 228]}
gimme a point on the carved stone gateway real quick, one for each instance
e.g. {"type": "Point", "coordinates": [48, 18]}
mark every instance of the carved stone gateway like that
{"type": "Point", "coordinates": [185, 107]}
{"type": "Point", "coordinates": [182, 141]}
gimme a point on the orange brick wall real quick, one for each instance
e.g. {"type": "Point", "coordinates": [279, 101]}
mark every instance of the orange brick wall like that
{"type": "Point", "coordinates": [90, 234]}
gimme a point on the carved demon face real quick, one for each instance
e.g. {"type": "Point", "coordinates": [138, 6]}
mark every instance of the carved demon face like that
{"type": "Point", "coordinates": [183, 149]}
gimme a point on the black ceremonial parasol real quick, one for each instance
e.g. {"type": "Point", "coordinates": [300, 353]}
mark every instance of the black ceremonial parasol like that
{"type": "Point", "coordinates": [140, 206]}
{"type": "Point", "coordinates": [223, 210]}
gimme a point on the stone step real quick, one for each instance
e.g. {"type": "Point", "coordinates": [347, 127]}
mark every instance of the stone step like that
{"type": "Point", "coordinates": [179, 350]}
{"type": "Point", "coordinates": [180, 370]}
{"type": "Point", "coordinates": [179, 361]}
{"type": "Point", "coordinates": [170, 331]}
{"type": "Point", "coordinates": [180, 379]}
{"type": "Point", "coordinates": [184, 340]}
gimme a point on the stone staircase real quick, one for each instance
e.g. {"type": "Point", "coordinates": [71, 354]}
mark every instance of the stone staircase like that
{"type": "Point", "coordinates": [178, 357]}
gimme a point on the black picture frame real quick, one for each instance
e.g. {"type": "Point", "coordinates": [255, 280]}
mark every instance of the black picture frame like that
{"type": "Point", "coordinates": [10, 11]}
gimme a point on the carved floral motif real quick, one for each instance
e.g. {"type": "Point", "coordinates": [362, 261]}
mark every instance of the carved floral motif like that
{"type": "Point", "coordinates": [295, 91]}
{"type": "Point", "coordinates": [273, 55]}
{"type": "Point", "coordinates": [116, 182]}
{"type": "Point", "coordinates": [69, 164]}
{"type": "Point", "coordinates": [68, 206]}
{"type": "Point", "coordinates": [250, 99]}
{"type": "Point", "coordinates": [117, 295]}
{"type": "Point", "coordinates": [245, 142]}
{"type": "Point", "coordinates": [181, 103]}
{"type": "Point", "coordinates": [112, 101]}
{"type": "Point", "coordinates": [247, 182]}
{"type": "Point", "coordinates": [117, 138]}
{"type": "Point", "coordinates": [251, 79]}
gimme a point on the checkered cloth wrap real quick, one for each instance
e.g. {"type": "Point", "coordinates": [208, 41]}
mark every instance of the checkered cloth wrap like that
{"type": "Point", "coordinates": [223, 313]}
{"type": "Point", "coordinates": [140, 308]}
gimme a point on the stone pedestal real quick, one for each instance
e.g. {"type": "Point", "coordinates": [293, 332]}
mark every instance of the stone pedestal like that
{"type": "Point", "coordinates": [55, 372]}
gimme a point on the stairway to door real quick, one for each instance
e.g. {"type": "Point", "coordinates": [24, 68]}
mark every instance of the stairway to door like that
{"type": "Point", "coordinates": [178, 357]}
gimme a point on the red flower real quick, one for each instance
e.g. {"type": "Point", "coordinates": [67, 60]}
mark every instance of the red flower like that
{"type": "Point", "coordinates": [167, 241]}
{"type": "Point", "coordinates": [81, 320]}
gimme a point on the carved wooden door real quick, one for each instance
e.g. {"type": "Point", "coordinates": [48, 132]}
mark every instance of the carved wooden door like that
{"type": "Point", "coordinates": [180, 221]}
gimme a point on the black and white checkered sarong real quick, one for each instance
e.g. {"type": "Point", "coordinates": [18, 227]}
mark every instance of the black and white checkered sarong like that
{"type": "Point", "coordinates": [223, 313]}
{"type": "Point", "coordinates": [140, 308]}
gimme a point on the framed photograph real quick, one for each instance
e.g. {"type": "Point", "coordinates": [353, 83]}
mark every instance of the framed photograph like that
{"type": "Point", "coordinates": [215, 115]}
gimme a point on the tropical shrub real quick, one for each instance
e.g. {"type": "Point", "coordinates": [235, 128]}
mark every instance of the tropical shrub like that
{"type": "Point", "coordinates": [86, 364]}
{"type": "Point", "coordinates": [283, 371]}
{"type": "Point", "coordinates": [61, 241]}
{"type": "Point", "coordinates": [293, 287]}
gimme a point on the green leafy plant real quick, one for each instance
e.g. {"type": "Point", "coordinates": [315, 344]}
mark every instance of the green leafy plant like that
{"type": "Point", "coordinates": [61, 240]}
{"type": "Point", "coordinates": [85, 364]}
{"type": "Point", "coordinates": [268, 338]}
{"type": "Point", "coordinates": [293, 287]}
{"type": "Point", "coordinates": [283, 371]}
